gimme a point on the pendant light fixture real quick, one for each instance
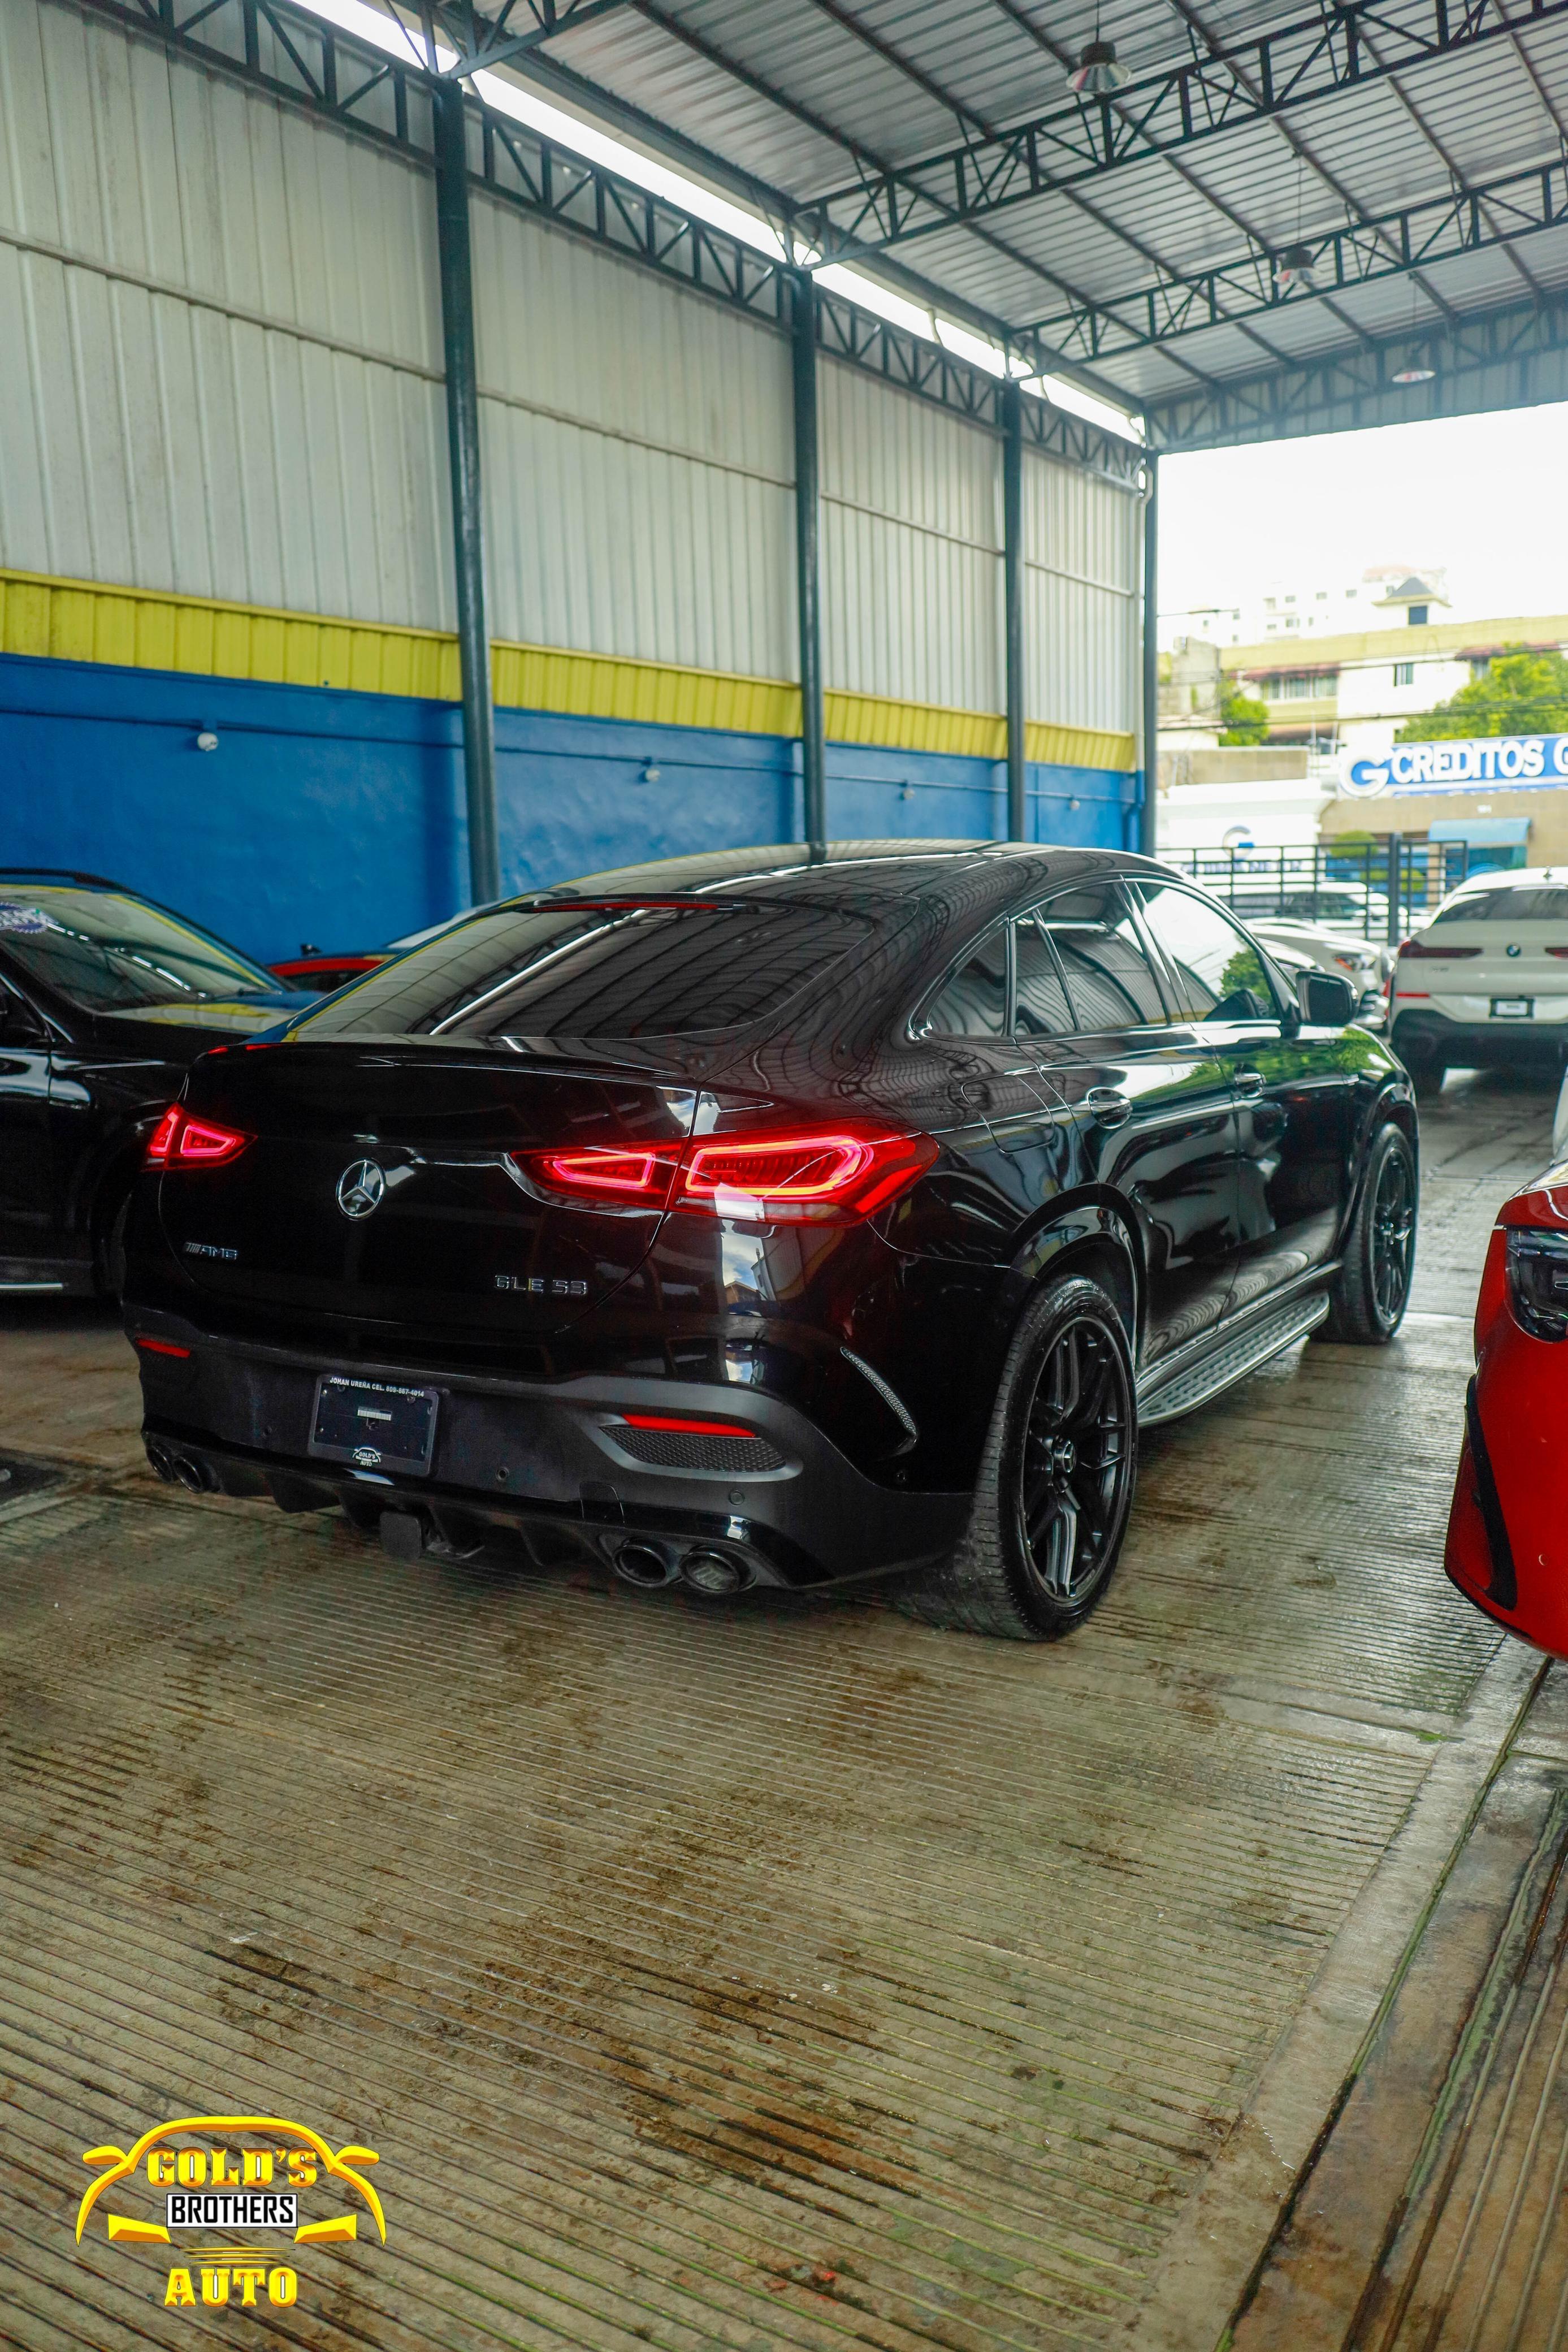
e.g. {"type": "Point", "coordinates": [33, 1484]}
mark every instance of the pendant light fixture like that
{"type": "Point", "coordinates": [1097, 73]}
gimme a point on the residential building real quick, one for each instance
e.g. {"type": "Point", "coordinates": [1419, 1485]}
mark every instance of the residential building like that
{"type": "Point", "coordinates": [1354, 692]}
{"type": "Point", "coordinates": [1303, 606]}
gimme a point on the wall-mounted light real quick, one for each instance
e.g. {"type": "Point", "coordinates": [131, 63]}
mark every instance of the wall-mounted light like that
{"type": "Point", "coordinates": [1414, 375]}
{"type": "Point", "coordinates": [1074, 804]}
{"type": "Point", "coordinates": [206, 740]}
{"type": "Point", "coordinates": [650, 772]}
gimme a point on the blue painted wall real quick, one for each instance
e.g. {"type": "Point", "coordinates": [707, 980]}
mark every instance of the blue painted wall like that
{"type": "Point", "coordinates": [337, 817]}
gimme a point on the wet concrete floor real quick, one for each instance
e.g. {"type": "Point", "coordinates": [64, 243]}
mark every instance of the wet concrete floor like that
{"type": "Point", "coordinates": [756, 1975]}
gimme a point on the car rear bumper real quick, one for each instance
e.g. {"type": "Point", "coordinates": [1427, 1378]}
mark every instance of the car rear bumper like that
{"type": "Point", "coordinates": [549, 1461]}
{"type": "Point", "coordinates": [1426, 1037]}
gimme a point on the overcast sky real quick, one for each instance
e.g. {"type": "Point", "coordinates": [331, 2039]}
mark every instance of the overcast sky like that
{"type": "Point", "coordinates": [1487, 496]}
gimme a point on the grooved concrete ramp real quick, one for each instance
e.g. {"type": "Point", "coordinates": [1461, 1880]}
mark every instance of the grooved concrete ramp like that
{"type": "Point", "coordinates": [769, 1975]}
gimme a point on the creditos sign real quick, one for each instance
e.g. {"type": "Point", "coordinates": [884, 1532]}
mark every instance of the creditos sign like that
{"type": "Point", "coordinates": [1480, 760]}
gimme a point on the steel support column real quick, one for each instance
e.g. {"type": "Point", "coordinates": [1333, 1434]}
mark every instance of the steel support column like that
{"type": "Point", "coordinates": [808, 559]}
{"type": "Point", "coordinates": [467, 510]}
{"type": "Point", "coordinates": [1149, 699]}
{"type": "Point", "coordinates": [1012, 602]}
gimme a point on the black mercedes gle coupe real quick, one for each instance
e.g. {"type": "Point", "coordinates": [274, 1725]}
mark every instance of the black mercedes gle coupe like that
{"type": "Point", "coordinates": [755, 1220]}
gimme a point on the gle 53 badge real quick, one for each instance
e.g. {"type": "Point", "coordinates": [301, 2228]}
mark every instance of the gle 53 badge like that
{"type": "Point", "coordinates": [233, 2196]}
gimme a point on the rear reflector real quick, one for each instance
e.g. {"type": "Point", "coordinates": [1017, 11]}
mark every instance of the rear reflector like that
{"type": "Point", "coordinates": [795, 1176]}
{"type": "Point", "coordinates": [161, 1347]}
{"type": "Point", "coordinates": [688, 1428]}
{"type": "Point", "coordinates": [180, 1141]}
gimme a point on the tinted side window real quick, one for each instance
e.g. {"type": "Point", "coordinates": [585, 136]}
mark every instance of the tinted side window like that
{"type": "Point", "coordinates": [1211, 963]}
{"type": "Point", "coordinates": [1043, 1010]}
{"type": "Point", "coordinates": [974, 1002]}
{"type": "Point", "coordinates": [1109, 976]}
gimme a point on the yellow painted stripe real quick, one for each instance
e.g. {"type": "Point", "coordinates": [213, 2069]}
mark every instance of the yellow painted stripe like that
{"type": "Point", "coordinates": [82, 620]}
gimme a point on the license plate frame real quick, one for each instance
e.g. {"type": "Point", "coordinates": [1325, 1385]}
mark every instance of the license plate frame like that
{"type": "Point", "coordinates": [1513, 1008]}
{"type": "Point", "coordinates": [349, 1414]}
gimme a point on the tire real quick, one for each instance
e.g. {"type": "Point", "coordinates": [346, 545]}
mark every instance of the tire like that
{"type": "Point", "coordinates": [1367, 1303]}
{"type": "Point", "coordinates": [999, 1579]}
{"type": "Point", "coordinates": [109, 1271]}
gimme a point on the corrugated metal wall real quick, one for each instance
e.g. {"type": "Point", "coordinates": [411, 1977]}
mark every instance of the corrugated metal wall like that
{"type": "Point", "coordinates": [1082, 554]}
{"type": "Point", "coordinates": [639, 455]}
{"type": "Point", "coordinates": [911, 547]}
{"type": "Point", "coordinates": [239, 394]}
{"type": "Point", "coordinates": [221, 377]}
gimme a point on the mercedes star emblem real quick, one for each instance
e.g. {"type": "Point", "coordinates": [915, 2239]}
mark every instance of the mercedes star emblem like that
{"type": "Point", "coordinates": [360, 1189]}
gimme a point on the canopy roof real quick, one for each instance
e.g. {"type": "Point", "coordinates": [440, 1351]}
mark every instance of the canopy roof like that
{"type": "Point", "coordinates": [1283, 209]}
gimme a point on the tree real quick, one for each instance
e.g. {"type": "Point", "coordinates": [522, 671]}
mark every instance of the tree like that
{"type": "Point", "coordinates": [1522, 694]}
{"type": "Point", "coordinates": [1244, 719]}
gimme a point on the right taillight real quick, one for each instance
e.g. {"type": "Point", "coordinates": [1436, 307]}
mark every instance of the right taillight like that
{"type": "Point", "coordinates": [803, 1176]}
{"type": "Point", "coordinates": [633, 1179]}
{"type": "Point", "coordinates": [1538, 1281]}
{"type": "Point", "coordinates": [799, 1175]}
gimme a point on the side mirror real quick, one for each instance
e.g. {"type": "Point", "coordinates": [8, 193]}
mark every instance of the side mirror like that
{"type": "Point", "coordinates": [1326, 1001]}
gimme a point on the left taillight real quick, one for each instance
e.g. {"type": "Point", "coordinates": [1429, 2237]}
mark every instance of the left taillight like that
{"type": "Point", "coordinates": [180, 1141]}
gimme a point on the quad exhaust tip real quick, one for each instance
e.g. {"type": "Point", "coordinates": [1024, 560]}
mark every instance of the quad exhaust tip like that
{"type": "Point", "coordinates": [177, 1469]}
{"type": "Point", "coordinates": [714, 1574]}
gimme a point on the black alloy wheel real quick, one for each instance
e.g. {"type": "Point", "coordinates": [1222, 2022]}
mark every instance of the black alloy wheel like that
{"type": "Point", "coordinates": [1056, 1478]}
{"type": "Point", "coordinates": [1367, 1303]}
{"type": "Point", "coordinates": [1068, 1484]}
{"type": "Point", "coordinates": [1393, 1237]}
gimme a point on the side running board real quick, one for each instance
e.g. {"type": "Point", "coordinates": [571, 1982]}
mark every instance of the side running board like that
{"type": "Point", "coordinates": [1242, 1355]}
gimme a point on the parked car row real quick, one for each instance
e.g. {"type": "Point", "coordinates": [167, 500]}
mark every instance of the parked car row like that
{"type": "Point", "coordinates": [755, 1220]}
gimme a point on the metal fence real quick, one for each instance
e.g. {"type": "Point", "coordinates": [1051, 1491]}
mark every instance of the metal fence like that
{"type": "Point", "coordinates": [1375, 888]}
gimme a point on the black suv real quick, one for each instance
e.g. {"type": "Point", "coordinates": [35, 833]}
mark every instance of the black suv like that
{"type": "Point", "coordinates": [106, 999]}
{"type": "Point", "coordinates": [757, 1219]}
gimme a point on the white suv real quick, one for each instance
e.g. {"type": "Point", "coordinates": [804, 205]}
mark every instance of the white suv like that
{"type": "Point", "coordinates": [1484, 984]}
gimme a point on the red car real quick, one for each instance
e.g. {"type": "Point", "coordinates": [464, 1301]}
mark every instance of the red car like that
{"type": "Point", "coordinates": [1508, 1526]}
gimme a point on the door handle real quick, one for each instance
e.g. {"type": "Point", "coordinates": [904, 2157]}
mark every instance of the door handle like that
{"type": "Point", "coordinates": [1107, 1106]}
{"type": "Point", "coordinates": [1248, 1084]}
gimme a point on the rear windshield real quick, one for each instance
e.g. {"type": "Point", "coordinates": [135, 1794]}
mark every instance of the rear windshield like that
{"type": "Point", "coordinates": [1542, 905]}
{"type": "Point", "coordinates": [598, 969]}
{"type": "Point", "coordinates": [104, 950]}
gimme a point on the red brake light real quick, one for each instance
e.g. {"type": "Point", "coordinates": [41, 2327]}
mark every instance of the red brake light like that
{"type": "Point", "coordinates": [687, 1426]}
{"type": "Point", "coordinates": [806, 1176]}
{"type": "Point", "coordinates": [801, 1176]}
{"type": "Point", "coordinates": [636, 1179]}
{"type": "Point", "coordinates": [1557, 952]}
{"type": "Point", "coordinates": [161, 1136]}
{"type": "Point", "coordinates": [202, 1144]}
{"type": "Point", "coordinates": [180, 1141]}
{"type": "Point", "coordinates": [1449, 955]}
